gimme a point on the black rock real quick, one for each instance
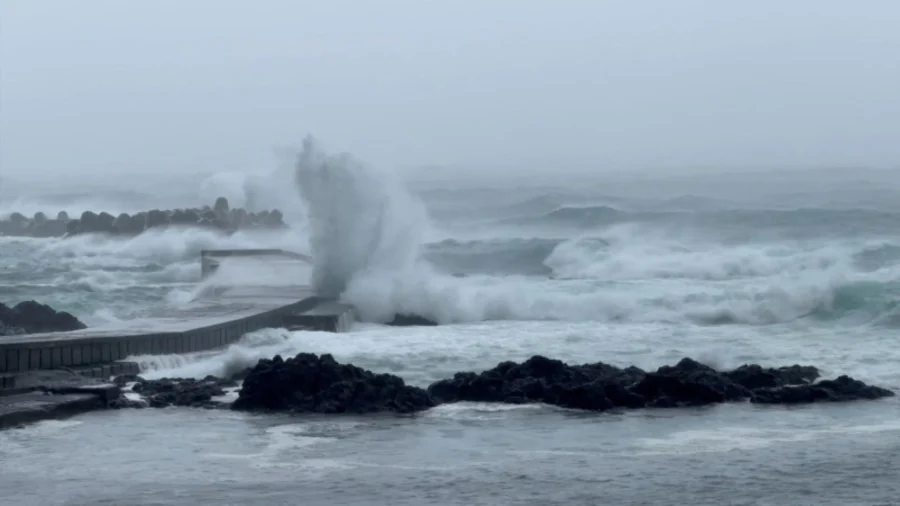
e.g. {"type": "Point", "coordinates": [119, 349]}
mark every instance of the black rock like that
{"type": "Point", "coordinates": [308, 383]}
{"type": "Point", "coordinates": [32, 317]}
{"type": "Point", "coordinates": [181, 391]}
{"type": "Point", "coordinates": [599, 386]}
{"type": "Point", "coordinates": [539, 379]}
{"type": "Point", "coordinates": [753, 376]}
{"type": "Point", "coordinates": [844, 388]}
{"type": "Point", "coordinates": [123, 379]}
{"type": "Point", "coordinates": [408, 320]}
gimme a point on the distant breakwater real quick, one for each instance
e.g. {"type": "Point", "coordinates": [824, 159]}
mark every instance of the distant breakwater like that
{"type": "Point", "coordinates": [218, 217]}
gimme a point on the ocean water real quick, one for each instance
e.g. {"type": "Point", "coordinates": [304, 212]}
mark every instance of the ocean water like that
{"type": "Point", "coordinates": [768, 267]}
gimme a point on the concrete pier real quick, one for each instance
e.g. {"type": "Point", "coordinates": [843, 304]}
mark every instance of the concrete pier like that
{"type": "Point", "coordinates": [210, 259]}
{"type": "Point", "coordinates": [207, 324]}
{"type": "Point", "coordinates": [59, 374]}
{"type": "Point", "coordinates": [218, 318]}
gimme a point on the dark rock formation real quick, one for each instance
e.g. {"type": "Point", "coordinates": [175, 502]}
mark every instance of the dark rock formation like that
{"type": "Point", "coordinates": [32, 317]}
{"type": "Point", "coordinates": [311, 384]}
{"type": "Point", "coordinates": [308, 383]}
{"type": "Point", "coordinates": [600, 386]}
{"type": "Point", "coordinates": [220, 217]}
{"type": "Point", "coordinates": [407, 320]}
{"type": "Point", "coordinates": [177, 392]}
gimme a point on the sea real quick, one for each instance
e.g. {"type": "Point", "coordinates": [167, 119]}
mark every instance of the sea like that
{"type": "Point", "coordinates": [728, 267]}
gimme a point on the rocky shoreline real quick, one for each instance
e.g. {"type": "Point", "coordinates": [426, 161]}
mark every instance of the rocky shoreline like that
{"type": "Point", "coordinates": [218, 217]}
{"type": "Point", "coordinates": [309, 383]}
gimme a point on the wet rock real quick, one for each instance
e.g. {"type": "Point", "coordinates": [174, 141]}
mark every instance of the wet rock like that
{"type": "Point", "coordinates": [156, 218]}
{"type": "Point", "coordinates": [539, 379]}
{"type": "Point", "coordinates": [105, 223]}
{"type": "Point", "coordinates": [33, 317]}
{"type": "Point", "coordinates": [599, 386]}
{"type": "Point", "coordinates": [842, 389]}
{"type": "Point", "coordinates": [41, 226]}
{"type": "Point", "coordinates": [15, 225]}
{"type": "Point", "coordinates": [93, 223]}
{"type": "Point", "coordinates": [753, 376]}
{"type": "Point", "coordinates": [308, 383]}
{"type": "Point", "coordinates": [72, 227]}
{"type": "Point", "coordinates": [408, 320]}
{"type": "Point", "coordinates": [88, 223]}
{"type": "Point", "coordinates": [124, 379]}
{"type": "Point", "coordinates": [129, 225]}
{"type": "Point", "coordinates": [184, 392]}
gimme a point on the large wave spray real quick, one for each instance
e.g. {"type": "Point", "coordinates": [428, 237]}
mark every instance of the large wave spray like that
{"type": "Point", "coordinates": [367, 232]}
{"type": "Point", "coordinates": [362, 222]}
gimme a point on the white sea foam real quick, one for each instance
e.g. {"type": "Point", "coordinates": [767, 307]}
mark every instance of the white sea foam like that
{"type": "Point", "coordinates": [367, 230]}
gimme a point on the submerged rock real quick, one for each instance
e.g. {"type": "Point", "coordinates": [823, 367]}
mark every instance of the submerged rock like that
{"type": "Point", "coordinates": [599, 386]}
{"type": "Point", "coordinates": [31, 317]}
{"type": "Point", "coordinates": [411, 320]}
{"type": "Point", "coordinates": [184, 392]}
{"type": "Point", "coordinates": [308, 383]}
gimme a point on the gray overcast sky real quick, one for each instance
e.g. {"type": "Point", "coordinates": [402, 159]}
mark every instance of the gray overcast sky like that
{"type": "Point", "coordinates": [215, 85]}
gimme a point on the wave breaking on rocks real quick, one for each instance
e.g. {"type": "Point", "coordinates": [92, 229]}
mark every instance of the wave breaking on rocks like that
{"type": "Point", "coordinates": [308, 383]}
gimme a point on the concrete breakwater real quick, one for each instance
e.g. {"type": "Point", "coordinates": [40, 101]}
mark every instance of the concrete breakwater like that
{"type": "Point", "coordinates": [220, 217]}
{"type": "Point", "coordinates": [215, 321]}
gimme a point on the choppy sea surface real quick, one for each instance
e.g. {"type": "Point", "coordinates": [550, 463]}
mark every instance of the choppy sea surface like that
{"type": "Point", "coordinates": [772, 268]}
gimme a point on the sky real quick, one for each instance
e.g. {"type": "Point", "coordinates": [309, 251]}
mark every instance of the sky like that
{"type": "Point", "coordinates": [176, 86]}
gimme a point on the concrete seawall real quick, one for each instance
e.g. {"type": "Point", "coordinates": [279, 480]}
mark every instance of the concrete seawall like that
{"type": "Point", "coordinates": [60, 374]}
{"type": "Point", "coordinates": [215, 321]}
{"type": "Point", "coordinates": [188, 331]}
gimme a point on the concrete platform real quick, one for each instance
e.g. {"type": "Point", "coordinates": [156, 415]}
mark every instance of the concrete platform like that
{"type": "Point", "coordinates": [211, 323]}
{"type": "Point", "coordinates": [33, 407]}
{"type": "Point", "coordinates": [211, 259]}
{"type": "Point", "coordinates": [46, 395]}
{"type": "Point", "coordinates": [329, 316]}
{"type": "Point", "coordinates": [241, 299]}
{"type": "Point", "coordinates": [52, 375]}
